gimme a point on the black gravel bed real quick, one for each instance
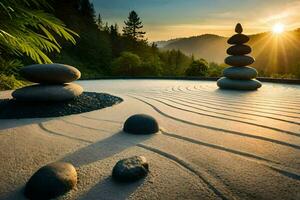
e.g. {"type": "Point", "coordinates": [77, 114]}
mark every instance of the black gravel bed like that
{"type": "Point", "coordinates": [88, 101]}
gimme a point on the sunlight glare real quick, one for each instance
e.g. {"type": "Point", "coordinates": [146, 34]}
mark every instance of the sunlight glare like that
{"type": "Point", "coordinates": [278, 28]}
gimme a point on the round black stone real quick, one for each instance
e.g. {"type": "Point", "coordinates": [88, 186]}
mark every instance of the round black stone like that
{"type": "Point", "coordinates": [141, 124]}
{"type": "Point", "coordinates": [51, 181]}
{"type": "Point", "coordinates": [130, 169]}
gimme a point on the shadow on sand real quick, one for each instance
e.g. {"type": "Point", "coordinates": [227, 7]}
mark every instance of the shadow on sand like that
{"type": "Point", "coordinates": [109, 189]}
{"type": "Point", "coordinates": [104, 148]}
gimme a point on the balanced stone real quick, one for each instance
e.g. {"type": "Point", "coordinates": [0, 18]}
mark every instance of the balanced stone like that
{"type": "Point", "coordinates": [50, 73]}
{"type": "Point", "coordinates": [241, 73]}
{"type": "Point", "coordinates": [238, 28]}
{"type": "Point", "coordinates": [51, 181]}
{"type": "Point", "coordinates": [238, 39]}
{"type": "Point", "coordinates": [41, 92]}
{"type": "Point", "coordinates": [238, 76]}
{"type": "Point", "coordinates": [141, 124]}
{"type": "Point", "coordinates": [239, 49]}
{"type": "Point", "coordinates": [226, 83]}
{"type": "Point", "coordinates": [130, 169]}
{"type": "Point", "coordinates": [239, 61]}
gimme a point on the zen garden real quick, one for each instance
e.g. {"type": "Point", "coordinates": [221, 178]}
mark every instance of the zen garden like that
{"type": "Point", "coordinates": [149, 100]}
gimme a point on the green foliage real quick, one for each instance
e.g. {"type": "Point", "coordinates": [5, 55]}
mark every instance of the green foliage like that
{"type": "Point", "coordinates": [174, 62]}
{"type": "Point", "coordinates": [9, 70]}
{"type": "Point", "coordinates": [283, 76]}
{"type": "Point", "coordinates": [27, 30]}
{"type": "Point", "coordinates": [10, 67]}
{"type": "Point", "coordinates": [10, 82]}
{"type": "Point", "coordinates": [152, 66]}
{"type": "Point", "coordinates": [128, 64]}
{"type": "Point", "coordinates": [215, 70]}
{"type": "Point", "coordinates": [133, 26]}
{"type": "Point", "coordinates": [93, 51]}
{"type": "Point", "coordinates": [197, 68]}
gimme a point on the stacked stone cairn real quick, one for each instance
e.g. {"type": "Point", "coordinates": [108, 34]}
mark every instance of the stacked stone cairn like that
{"type": "Point", "coordinates": [54, 83]}
{"type": "Point", "coordinates": [239, 76]}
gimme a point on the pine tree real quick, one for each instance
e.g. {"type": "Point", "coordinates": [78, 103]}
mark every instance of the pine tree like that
{"type": "Point", "coordinates": [99, 22]}
{"type": "Point", "coordinates": [106, 28]}
{"type": "Point", "coordinates": [87, 11]}
{"type": "Point", "coordinates": [133, 27]}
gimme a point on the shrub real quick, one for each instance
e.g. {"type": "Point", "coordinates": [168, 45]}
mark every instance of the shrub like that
{"type": "Point", "coordinates": [128, 64]}
{"type": "Point", "coordinates": [151, 67]}
{"type": "Point", "coordinates": [197, 68]}
{"type": "Point", "coordinates": [215, 70]}
{"type": "Point", "coordinates": [10, 82]}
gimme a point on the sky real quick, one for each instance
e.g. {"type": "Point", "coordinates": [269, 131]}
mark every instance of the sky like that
{"type": "Point", "coordinates": [167, 19]}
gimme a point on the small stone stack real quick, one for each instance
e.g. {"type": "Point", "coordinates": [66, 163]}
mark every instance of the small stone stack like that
{"type": "Point", "coordinates": [54, 83]}
{"type": "Point", "coordinates": [239, 76]}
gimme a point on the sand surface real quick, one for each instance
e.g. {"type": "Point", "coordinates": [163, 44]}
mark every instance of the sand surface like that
{"type": "Point", "coordinates": [213, 144]}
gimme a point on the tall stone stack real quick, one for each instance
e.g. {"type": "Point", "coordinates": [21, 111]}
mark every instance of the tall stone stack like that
{"type": "Point", "coordinates": [239, 76]}
{"type": "Point", "coordinates": [54, 83]}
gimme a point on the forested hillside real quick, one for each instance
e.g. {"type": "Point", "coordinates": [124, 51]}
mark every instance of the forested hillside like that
{"type": "Point", "coordinates": [275, 55]}
{"type": "Point", "coordinates": [104, 49]}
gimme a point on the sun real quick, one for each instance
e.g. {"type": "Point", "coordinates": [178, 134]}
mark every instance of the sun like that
{"type": "Point", "coordinates": [278, 28]}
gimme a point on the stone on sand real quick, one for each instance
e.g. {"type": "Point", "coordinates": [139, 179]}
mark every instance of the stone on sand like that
{"type": "Point", "coordinates": [226, 83]}
{"type": "Point", "coordinates": [141, 124]}
{"type": "Point", "coordinates": [50, 73]}
{"type": "Point", "coordinates": [45, 93]}
{"type": "Point", "coordinates": [51, 181]}
{"type": "Point", "coordinates": [130, 169]}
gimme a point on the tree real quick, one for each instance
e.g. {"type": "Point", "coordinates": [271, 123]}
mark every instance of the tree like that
{"type": "Point", "coordinates": [25, 29]}
{"type": "Point", "coordinates": [99, 22]}
{"type": "Point", "coordinates": [197, 68]}
{"type": "Point", "coordinates": [128, 64]}
{"type": "Point", "coordinates": [133, 27]}
{"type": "Point", "coordinates": [87, 11]}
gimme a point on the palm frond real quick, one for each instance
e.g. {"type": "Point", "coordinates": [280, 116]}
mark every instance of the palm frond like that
{"type": "Point", "coordinates": [31, 32]}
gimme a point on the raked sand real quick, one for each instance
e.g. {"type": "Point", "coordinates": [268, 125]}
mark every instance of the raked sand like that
{"type": "Point", "coordinates": [213, 144]}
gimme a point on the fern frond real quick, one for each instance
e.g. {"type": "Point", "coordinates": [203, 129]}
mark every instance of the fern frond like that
{"type": "Point", "coordinates": [18, 26]}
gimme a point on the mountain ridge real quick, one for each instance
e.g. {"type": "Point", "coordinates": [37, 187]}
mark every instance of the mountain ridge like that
{"type": "Point", "coordinates": [273, 53]}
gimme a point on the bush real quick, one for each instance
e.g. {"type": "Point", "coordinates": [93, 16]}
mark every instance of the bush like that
{"type": "Point", "coordinates": [215, 70]}
{"type": "Point", "coordinates": [151, 67]}
{"type": "Point", "coordinates": [10, 67]}
{"type": "Point", "coordinates": [10, 82]}
{"type": "Point", "coordinates": [128, 64]}
{"type": "Point", "coordinates": [197, 68]}
{"type": "Point", "coordinates": [9, 70]}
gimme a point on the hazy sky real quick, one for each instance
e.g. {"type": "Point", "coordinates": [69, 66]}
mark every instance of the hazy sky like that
{"type": "Point", "coordinates": [166, 19]}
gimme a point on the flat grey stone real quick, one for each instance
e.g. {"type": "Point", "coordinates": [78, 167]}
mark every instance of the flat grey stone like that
{"type": "Point", "coordinates": [239, 49]}
{"type": "Point", "coordinates": [50, 73]}
{"type": "Point", "coordinates": [226, 83]}
{"type": "Point", "coordinates": [141, 124]}
{"type": "Point", "coordinates": [238, 39]}
{"type": "Point", "coordinates": [51, 181]}
{"type": "Point", "coordinates": [39, 92]}
{"type": "Point", "coordinates": [240, 73]}
{"type": "Point", "coordinates": [239, 61]}
{"type": "Point", "coordinates": [130, 169]}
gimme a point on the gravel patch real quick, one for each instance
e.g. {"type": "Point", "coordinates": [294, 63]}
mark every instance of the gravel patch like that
{"type": "Point", "coordinates": [88, 101]}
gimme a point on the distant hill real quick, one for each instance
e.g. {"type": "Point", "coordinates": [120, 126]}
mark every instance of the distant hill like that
{"type": "Point", "coordinates": [210, 47]}
{"type": "Point", "coordinates": [163, 43]}
{"type": "Point", "coordinates": [273, 54]}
